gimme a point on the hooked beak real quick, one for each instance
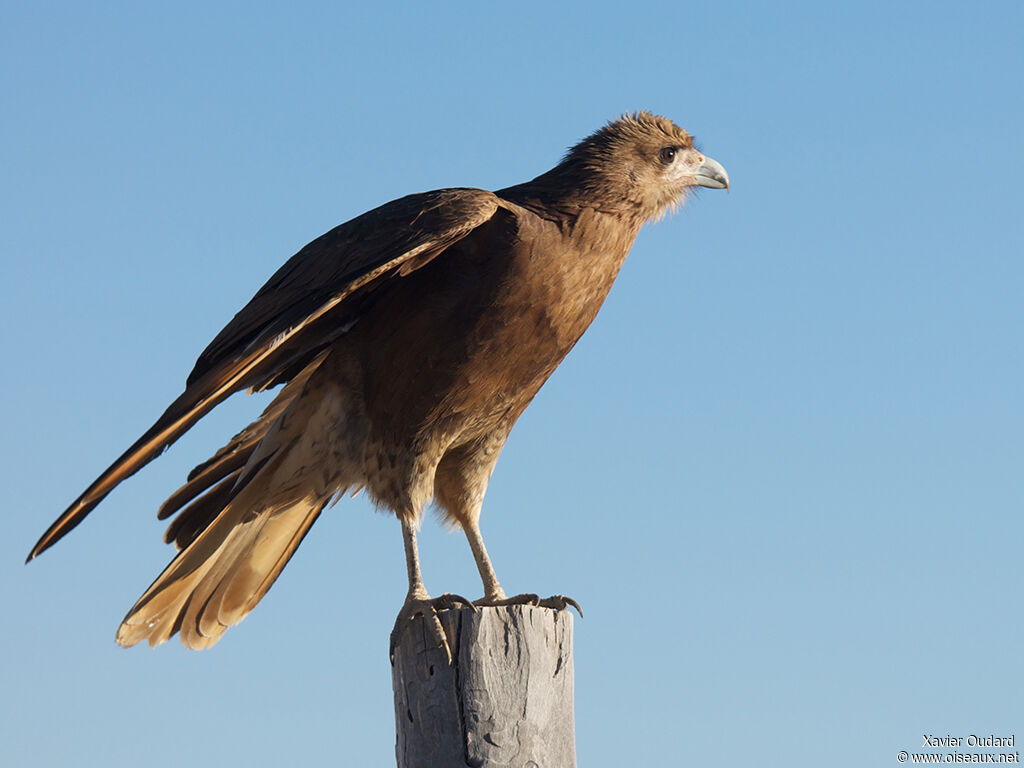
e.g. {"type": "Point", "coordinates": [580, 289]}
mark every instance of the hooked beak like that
{"type": "Point", "coordinates": [712, 175]}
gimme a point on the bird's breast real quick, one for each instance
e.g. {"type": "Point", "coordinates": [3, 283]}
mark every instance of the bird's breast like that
{"type": "Point", "coordinates": [458, 349]}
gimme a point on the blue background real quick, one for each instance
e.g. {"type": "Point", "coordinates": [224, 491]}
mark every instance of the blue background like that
{"type": "Point", "coordinates": [781, 472]}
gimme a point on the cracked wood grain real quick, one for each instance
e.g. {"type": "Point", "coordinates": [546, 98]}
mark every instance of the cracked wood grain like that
{"type": "Point", "coordinates": [506, 699]}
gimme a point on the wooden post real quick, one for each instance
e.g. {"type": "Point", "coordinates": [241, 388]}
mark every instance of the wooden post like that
{"type": "Point", "coordinates": [506, 699]}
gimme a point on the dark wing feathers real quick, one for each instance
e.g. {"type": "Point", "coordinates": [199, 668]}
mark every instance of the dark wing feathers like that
{"type": "Point", "coordinates": [279, 327]}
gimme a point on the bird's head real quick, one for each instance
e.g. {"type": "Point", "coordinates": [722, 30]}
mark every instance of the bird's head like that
{"type": "Point", "coordinates": [644, 162]}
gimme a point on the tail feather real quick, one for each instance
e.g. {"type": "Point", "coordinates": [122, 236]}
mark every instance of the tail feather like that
{"type": "Point", "coordinates": [243, 523]}
{"type": "Point", "coordinates": [194, 518]}
{"type": "Point", "coordinates": [229, 465]}
{"type": "Point", "coordinates": [218, 578]}
{"type": "Point", "coordinates": [241, 514]}
{"type": "Point", "coordinates": [244, 586]}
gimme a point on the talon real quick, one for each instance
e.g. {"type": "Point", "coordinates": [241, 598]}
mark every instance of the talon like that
{"type": "Point", "coordinates": [561, 603]}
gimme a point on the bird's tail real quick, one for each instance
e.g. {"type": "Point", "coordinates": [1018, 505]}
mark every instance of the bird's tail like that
{"type": "Point", "coordinates": [242, 514]}
{"type": "Point", "coordinates": [220, 576]}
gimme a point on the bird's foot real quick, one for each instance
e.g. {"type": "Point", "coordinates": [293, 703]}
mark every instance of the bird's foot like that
{"type": "Point", "coordinates": [427, 607]}
{"type": "Point", "coordinates": [557, 602]}
{"type": "Point", "coordinates": [490, 601]}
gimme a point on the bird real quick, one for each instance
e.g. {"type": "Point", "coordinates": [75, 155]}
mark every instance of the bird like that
{"type": "Point", "coordinates": [406, 343]}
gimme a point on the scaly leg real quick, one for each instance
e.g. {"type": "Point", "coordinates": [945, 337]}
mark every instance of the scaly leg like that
{"type": "Point", "coordinates": [493, 593]}
{"type": "Point", "coordinates": [418, 602]}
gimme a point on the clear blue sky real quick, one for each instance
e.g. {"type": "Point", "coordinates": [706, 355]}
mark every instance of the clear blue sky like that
{"type": "Point", "coordinates": [782, 472]}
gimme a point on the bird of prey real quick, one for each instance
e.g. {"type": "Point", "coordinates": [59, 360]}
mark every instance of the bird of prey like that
{"type": "Point", "coordinates": [408, 341]}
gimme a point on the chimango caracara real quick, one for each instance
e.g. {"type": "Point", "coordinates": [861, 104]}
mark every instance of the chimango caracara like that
{"type": "Point", "coordinates": [408, 341]}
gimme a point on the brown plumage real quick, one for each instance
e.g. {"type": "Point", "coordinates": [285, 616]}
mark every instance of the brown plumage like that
{"type": "Point", "coordinates": [409, 340]}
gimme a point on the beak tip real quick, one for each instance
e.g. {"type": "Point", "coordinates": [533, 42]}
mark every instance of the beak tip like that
{"type": "Point", "coordinates": [712, 175]}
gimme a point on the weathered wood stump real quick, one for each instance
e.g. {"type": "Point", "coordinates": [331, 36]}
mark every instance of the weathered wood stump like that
{"type": "Point", "coordinates": [506, 699]}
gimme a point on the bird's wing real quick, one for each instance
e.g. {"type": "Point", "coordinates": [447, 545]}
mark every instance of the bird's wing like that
{"type": "Point", "coordinates": [278, 327]}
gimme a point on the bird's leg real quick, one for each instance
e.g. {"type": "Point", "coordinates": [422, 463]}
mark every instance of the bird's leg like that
{"type": "Point", "coordinates": [493, 593]}
{"type": "Point", "coordinates": [418, 602]}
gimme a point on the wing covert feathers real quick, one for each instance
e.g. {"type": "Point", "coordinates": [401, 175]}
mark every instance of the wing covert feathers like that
{"type": "Point", "coordinates": [412, 229]}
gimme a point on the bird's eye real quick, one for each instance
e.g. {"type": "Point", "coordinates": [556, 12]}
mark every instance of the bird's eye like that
{"type": "Point", "coordinates": [667, 155]}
